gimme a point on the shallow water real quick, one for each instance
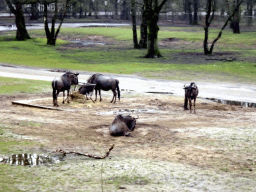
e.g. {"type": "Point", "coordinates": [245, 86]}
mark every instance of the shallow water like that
{"type": "Point", "coordinates": [27, 159]}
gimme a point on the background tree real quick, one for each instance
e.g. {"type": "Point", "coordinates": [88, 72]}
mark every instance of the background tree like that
{"type": "Point", "coordinates": [249, 11]}
{"type": "Point", "coordinates": [134, 25]}
{"type": "Point", "coordinates": [16, 8]}
{"type": "Point", "coordinates": [152, 10]}
{"type": "Point", "coordinates": [236, 18]}
{"type": "Point", "coordinates": [210, 11]}
{"type": "Point", "coordinates": [2, 5]}
{"type": "Point", "coordinates": [60, 5]}
{"type": "Point", "coordinates": [34, 11]}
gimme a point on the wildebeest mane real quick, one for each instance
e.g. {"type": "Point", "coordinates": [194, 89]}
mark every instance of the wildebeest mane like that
{"type": "Point", "coordinates": [92, 78]}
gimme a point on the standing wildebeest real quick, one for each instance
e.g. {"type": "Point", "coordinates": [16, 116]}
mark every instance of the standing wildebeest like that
{"type": "Point", "coordinates": [60, 84]}
{"type": "Point", "coordinates": [105, 83]}
{"type": "Point", "coordinates": [87, 89]}
{"type": "Point", "coordinates": [122, 125]}
{"type": "Point", "coordinates": [191, 93]}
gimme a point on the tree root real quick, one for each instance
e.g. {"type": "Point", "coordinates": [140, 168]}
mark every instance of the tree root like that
{"type": "Point", "coordinates": [84, 154]}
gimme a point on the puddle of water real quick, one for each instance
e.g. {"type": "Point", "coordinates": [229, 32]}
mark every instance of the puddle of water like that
{"type": "Point", "coordinates": [27, 159]}
{"type": "Point", "coordinates": [129, 111]}
{"type": "Point", "coordinates": [86, 43]}
{"type": "Point", "coordinates": [230, 102]}
{"type": "Point", "coordinates": [164, 93]}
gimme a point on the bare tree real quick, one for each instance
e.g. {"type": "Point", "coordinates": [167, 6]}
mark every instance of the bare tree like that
{"type": "Point", "coordinates": [210, 11]}
{"type": "Point", "coordinates": [52, 34]}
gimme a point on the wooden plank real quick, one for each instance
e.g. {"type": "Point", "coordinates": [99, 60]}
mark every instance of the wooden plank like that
{"type": "Point", "coordinates": [38, 106]}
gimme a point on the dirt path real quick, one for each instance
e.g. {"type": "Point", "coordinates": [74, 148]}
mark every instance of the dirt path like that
{"type": "Point", "coordinates": [222, 91]}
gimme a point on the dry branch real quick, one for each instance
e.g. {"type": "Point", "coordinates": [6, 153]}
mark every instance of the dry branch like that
{"type": "Point", "coordinates": [84, 154]}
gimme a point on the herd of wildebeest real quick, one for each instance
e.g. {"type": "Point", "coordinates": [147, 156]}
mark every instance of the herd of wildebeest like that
{"type": "Point", "coordinates": [122, 125]}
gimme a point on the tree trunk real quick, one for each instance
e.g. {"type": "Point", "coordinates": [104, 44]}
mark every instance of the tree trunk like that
{"type": "Point", "coordinates": [143, 30]}
{"type": "Point", "coordinates": [249, 12]}
{"type": "Point", "coordinates": [190, 19]}
{"type": "Point", "coordinates": [134, 29]}
{"type": "Point", "coordinates": [52, 35]}
{"type": "Point", "coordinates": [209, 18]}
{"type": "Point", "coordinates": [153, 51]}
{"type": "Point", "coordinates": [235, 21]}
{"type": "Point", "coordinates": [21, 33]}
{"type": "Point", "coordinates": [195, 20]}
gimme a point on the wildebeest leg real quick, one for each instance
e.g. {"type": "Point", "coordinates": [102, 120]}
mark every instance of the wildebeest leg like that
{"type": "Point", "coordinates": [95, 95]}
{"type": "Point", "coordinates": [56, 101]}
{"type": "Point", "coordinates": [63, 97]}
{"type": "Point", "coordinates": [100, 95]}
{"type": "Point", "coordinates": [190, 105]}
{"type": "Point", "coordinates": [68, 95]}
{"type": "Point", "coordinates": [195, 105]}
{"type": "Point", "coordinates": [185, 104]}
{"type": "Point", "coordinates": [114, 96]}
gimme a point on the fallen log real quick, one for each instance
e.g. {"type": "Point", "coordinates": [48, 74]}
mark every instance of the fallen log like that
{"type": "Point", "coordinates": [84, 154]}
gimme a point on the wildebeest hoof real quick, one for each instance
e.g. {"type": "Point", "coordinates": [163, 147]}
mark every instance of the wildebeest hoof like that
{"type": "Point", "coordinates": [128, 135]}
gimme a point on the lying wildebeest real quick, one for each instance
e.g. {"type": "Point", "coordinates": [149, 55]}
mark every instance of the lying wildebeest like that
{"type": "Point", "coordinates": [122, 125]}
{"type": "Point", "coordinates": [60, 84]}
{"type": "Point", "coordinates": [191, 93]}
{"type": "Point", "coordinates": [87, 89]}
{"type": "Point", "coordinates": [105, 83]}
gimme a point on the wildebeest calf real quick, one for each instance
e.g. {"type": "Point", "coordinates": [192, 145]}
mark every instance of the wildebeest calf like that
{"type": "Point", "coordinates": [87, 89]}
{"type": "Point", "coordinates": [122, 125]}
{"type": "Point", "coordinates": [191, 93]}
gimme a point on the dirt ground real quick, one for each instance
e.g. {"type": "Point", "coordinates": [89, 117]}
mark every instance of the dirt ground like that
{"type": "Point", "coordinates": [164, 131]}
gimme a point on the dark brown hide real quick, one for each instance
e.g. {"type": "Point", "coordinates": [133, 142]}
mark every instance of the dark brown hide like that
{"type": "Point", "coordinates": [191, 93]}
{"type": "Point", "coordinates": [63, 83]}
{"type": "Point", "coordinates": [122, 125]}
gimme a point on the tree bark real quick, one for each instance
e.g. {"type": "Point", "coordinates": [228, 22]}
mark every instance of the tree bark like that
{"type": "Point", "coordinates": [249, 12]}
{"type": "Point", "coordinates": [152, 10]}
{"type": "Point", "coordinates": [153, 51]}
{"type": "Point", "coordinates": [195, 5]}
{"type": "Point", "coordinates": [143, 30]}
{"type": "Point", "coordinates": [236, 17]}
{"type": "Point", "coordinates": [21, 33]}
{"type": "Point", "coordinates": [134, 26]}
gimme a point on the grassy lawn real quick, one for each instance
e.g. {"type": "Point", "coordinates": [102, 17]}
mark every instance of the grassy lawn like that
{"type": "Point", "coordinates": [18, 86]}
{"type": "Point", "coordinates": [120, 57]}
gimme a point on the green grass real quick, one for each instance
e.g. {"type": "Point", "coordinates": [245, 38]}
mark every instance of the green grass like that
{"type": "Point", "coordinates": [122, 58]}
{"type": "Point", "coordinates": [15, 85]}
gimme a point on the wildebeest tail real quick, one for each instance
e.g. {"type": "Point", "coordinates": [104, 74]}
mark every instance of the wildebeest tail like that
{"type": "Point", "coordinates": [54, 90]}
{"type": "Point", "coordinates": [118, 90]}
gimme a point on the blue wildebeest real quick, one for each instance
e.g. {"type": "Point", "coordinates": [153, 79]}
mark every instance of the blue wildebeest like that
{"type": "Point", "coordinates": [191, 93]}
{"type": "Point", "coordinates": [122, 125]}
{"type": "Point", "coordinates": [60, 84]}
{"type": "Point", "coordinates": [105, 83]}
{"type": "Point", "coordinates": [87, 89]}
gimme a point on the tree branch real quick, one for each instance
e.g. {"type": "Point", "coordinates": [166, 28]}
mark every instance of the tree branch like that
{"type": "Point", "coordinates": [85, 154]}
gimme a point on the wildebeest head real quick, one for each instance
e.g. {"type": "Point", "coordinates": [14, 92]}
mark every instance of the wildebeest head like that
{"type": "Point", "coordinates": [191, 91]}
{"type": "Point", "coordinates": [72, 77]}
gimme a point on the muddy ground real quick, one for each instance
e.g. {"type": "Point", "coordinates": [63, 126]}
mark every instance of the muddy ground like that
{"type": "Point", "coordinates": [170, 149]}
